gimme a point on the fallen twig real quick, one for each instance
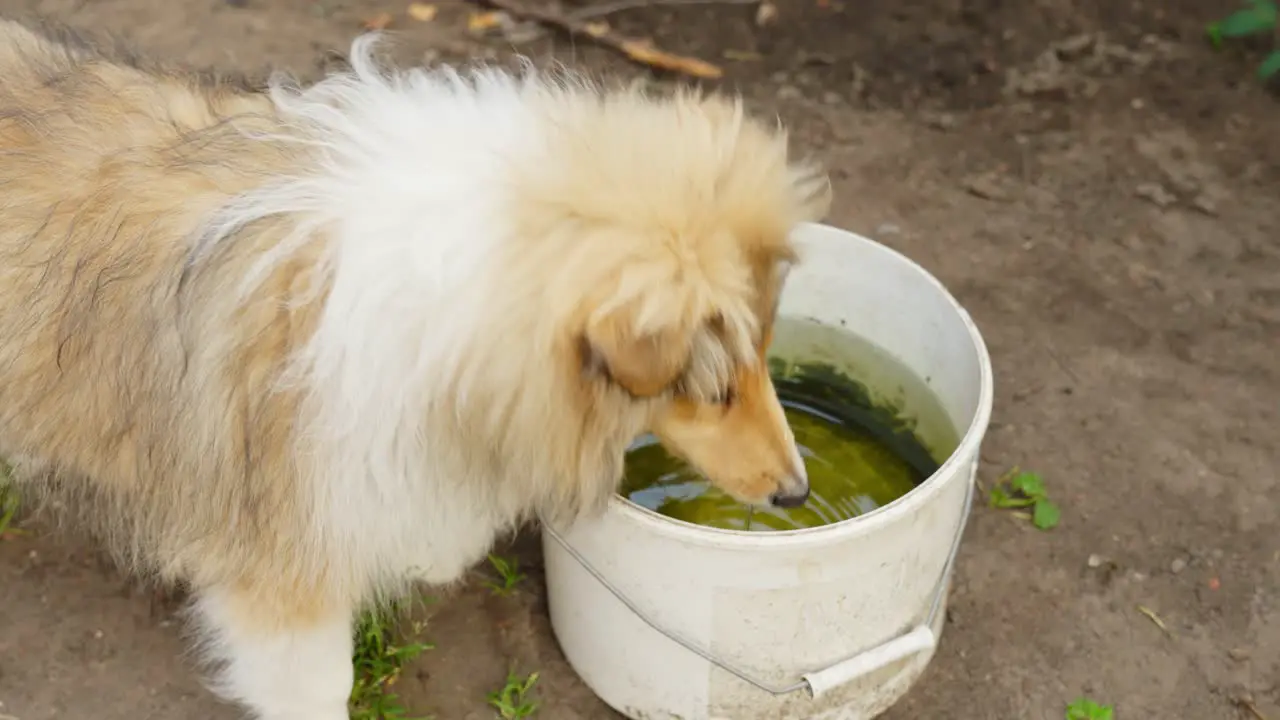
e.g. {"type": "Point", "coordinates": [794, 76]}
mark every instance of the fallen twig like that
{"type": "Point", "coordinates": [1153, 617]}
{"type": "Point", "coordinates": [1248, 706]}
{"type": "Point", "coordinates": [609, 8]}
{"type": "Point", "coordinates": [641, 51]}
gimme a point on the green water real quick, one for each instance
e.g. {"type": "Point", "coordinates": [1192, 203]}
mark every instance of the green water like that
{"type": "Point", "coordinates": [864, 445]}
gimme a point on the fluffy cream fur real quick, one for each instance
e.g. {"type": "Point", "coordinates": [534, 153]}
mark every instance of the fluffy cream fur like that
{"type": "Point", "coordinates": [301, 348]}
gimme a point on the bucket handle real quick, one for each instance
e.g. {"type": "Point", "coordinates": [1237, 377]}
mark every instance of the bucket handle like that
{"type": "Point", "coordinates": [919, 639]}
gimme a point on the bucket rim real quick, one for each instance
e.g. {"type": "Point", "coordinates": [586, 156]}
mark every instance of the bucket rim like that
{"type": "Point", "coordinates": [900, 508]}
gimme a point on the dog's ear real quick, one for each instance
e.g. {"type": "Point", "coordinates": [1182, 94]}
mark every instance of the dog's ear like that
{"type": "Point", "coordinates": [644, 364]}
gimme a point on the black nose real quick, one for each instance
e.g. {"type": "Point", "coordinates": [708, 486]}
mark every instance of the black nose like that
{"type": "Point", "coordinates": [784, 500]}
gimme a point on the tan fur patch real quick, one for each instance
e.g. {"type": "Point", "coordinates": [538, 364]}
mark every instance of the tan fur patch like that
{"type": "Point", "coordinates": [107, 173]}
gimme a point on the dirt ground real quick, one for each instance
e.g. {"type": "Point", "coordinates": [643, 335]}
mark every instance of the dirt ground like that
{"type": "Point", "coordinates": [1098, 187]}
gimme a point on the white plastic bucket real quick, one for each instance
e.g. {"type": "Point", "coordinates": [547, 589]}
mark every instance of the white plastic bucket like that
{"type": "Point", "coordinates": [666, 620]}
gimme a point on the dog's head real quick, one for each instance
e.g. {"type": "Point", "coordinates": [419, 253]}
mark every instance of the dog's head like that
{"type": "Point", "coordinates": [702, 369]}
{"type": "Point", "coordinates": [680, 210]}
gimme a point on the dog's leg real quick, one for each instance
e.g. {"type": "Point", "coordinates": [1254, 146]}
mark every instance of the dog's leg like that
{"type": "Point", "coordinates": [282, 657]}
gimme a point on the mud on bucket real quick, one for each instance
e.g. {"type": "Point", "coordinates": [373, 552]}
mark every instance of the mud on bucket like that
{"type": "Point", "coordinates": [666, 620]}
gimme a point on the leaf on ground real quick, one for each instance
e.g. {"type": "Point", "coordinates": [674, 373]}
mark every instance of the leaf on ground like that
{"type": "Point", "coordinates": [1029, 484]}
{"type": "Point", "coordinates": [480, 22]}
{"type": "Point", "coordinates": [1085, 709]}
{"type": "Point", "coordinates": [381, 21]}
{"type": "Point", "coordinates": [1045, 515]}
{"type": "Point", "coordinates": [1270, 66]}
{"type": "Point", "coordinates": [423, 12]}
{"type": "Point", "coordinates": [598, 28]}
{"type": "Point", "coordinates": [1252, 21]}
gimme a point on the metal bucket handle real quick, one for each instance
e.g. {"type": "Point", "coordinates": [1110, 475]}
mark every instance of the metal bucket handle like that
{"type": "Point", "coordinates": [818, 683]}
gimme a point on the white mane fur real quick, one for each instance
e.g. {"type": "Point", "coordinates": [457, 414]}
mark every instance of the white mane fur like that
{"type": "Point", "coordinates": [411, 193]}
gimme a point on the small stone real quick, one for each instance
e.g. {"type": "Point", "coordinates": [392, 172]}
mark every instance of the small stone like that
{"type": "Point", "coordinates": [1138, 577]}
{"type": "Point", "coordinates": [888, 229]}
{"type": "Point", "coordinates": [1155, 194]}
{"type": "Point", "coordinates": [941, 121]}
{"type": "Point", "coordinates": [861, 79]}
{"type": "Point", "coordinates": [780, 77]}
{"type": "Point", "coordinates": [1074, 47]}
{"type": "Point", "coordinates": [831, 98]}
{"type": "Point", "coordinates": [811, 59]}
{"type": "Point", "coordinates": [789, 92]}
{"type": "Point", "coordinates": [1177, 566]}
{"type": "Point", "coordinates": [1044, 78]}
{"type": "Point", "coordinates": [986, 186]}
{"type": "Point", "coordinates": [1095, 560]}
{"type": "Point", "coordinates": [766, 14]}
{"type": "Point", "coordinates": [1239, 654]}
{"type": "Point", "coordinates": [1205, 204]}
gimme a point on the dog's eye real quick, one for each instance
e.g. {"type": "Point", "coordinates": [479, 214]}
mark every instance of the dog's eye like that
{"type": "Point", "coordinates": [725, 397]}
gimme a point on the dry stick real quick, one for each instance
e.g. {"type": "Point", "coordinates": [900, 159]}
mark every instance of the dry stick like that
{"type": "Point", "coordinates": [609, 8]}
{"type": "Point", "coordinates": [640, 51]}
{"type": "Point", "coordinates": [1252, 709]}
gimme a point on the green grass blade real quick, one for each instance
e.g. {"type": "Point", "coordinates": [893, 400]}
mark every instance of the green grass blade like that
{"type": "Point", "coordinates": [1270, 66]}
{"type": "Point", "coordinates": [1214, 31]}
{"type": "Point", "coordinates": [1252, 21]}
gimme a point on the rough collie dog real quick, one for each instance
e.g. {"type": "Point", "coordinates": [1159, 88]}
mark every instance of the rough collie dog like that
{"type": "Point", "coordinates": [300, 348]}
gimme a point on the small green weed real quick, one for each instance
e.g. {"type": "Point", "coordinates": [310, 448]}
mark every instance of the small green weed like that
{"type": "Point", "coordinates": [512, 701]}
{"type": "Point", "coordinates": [8, 507]}
{"type": "Point", "coordinates": [1258, 17]}
{"type": "Point", "coordinates": [509, 574]}
{"type": "Point", "coordinates": [1026, 490]}
{"type": "Point", "coordinates": [378, 661]}
{"type": "Point", "coordinates": [1085, 709]}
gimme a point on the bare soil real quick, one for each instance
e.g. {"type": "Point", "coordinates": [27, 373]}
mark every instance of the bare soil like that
{"type": "Point", "coordinates": [1095, 184]}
